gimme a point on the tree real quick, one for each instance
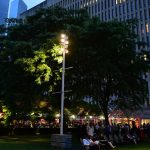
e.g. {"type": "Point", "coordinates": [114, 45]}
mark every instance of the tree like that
{"type": "Point", "coordinates": [30, 63]}
{"type": "Point", "coordinates": [106, 66]}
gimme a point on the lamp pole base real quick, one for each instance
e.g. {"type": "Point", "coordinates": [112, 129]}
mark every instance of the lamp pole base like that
{"type": "Point", "coordinates": [61, 140]}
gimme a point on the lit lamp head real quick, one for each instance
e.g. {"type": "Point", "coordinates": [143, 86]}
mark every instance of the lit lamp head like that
{"type": "Point", "coordinates": [64, 42]}
{"type": "Point", "coordinates": [63, 36]}
{"type": "Point", "coordinates": [63, 39]}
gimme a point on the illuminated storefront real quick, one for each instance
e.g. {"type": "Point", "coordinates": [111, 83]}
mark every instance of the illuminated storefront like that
{"type": "Point", "coordinates": [139, 117]}
{"type": "Point", "coordinates": [145, 116]}
{"type": "Point", "coordinates": [120, 117]}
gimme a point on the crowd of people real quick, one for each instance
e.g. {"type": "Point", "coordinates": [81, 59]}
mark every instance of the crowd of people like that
{"type": "Point", "coordinates": [96, 135]}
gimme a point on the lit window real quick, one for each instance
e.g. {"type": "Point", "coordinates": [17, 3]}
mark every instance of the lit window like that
{"type": "Point", "coordinates": [120, 1]}
{"type": "Point", "coordinates": [147, 27]}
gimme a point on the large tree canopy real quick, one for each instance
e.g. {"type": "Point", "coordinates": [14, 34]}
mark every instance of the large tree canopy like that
{"type": "Point", "coordinates": [106, 66]}
{"type": "Point", "coordinates": [30, 58]}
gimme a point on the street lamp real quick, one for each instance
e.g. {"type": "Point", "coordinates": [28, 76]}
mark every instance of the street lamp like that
{"type": "Point", "coordinates": [64, 46]}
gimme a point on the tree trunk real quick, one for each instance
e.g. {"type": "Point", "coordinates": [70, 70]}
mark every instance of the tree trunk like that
{"type": "Point", "coordinates": [105, 111]}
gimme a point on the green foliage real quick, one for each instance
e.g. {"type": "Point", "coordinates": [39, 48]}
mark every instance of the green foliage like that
{"type": "Point", "coordinates": [106, 66]}
{"type": "Point", "coordinates": [31, 59]}
{"type": "Point", "coordinates": [4, 114]}
{"type": "Point", "coordinates": [37, 65]}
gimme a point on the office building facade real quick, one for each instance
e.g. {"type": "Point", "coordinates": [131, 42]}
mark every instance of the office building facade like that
{"type": "Point", "coordinates": [16, 8]}
{"type": "Point", "coordinates": [32, 11]}
{"type": "Point", "coordinates": [4, 6]}
{"type": "Point", "coordinates": [108, 10]}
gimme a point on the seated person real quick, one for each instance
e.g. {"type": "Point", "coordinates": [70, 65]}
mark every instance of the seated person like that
{"type": "Point", "coordinates": [104, 141]}
{"type": "Point", "coordinates": [131, 138]}
{"type": "Point", "coordinates": [89, 144]}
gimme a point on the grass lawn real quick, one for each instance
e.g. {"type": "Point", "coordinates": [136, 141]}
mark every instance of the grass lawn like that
{"type": "Point", "coordinates": [140, 146]}
{"type": "Point", "coordinates": [25, 143]}
{"type": "Point", "coordinates": [43, 143]}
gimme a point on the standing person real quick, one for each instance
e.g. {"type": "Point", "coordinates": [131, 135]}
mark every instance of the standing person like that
{"type": "Point", "coordinates": [97, 128]}
{"type": "Point", "coordinates": [142, 134]}
{"type": "Point", "coordinates": [107, 131]}
{"type": "Point", "coordinates": [90, 130]}
{"type": "Point", "coordinates": [81, 130]}
{"type": "Point", "coordinates": [11, 129]}
{"type": "Point", "coordinates": [115, 133]}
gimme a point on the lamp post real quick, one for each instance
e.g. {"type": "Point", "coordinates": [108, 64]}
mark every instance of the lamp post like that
{"type": "Point", "coordinates": [62, 140]}
{"type": "Point", "coordinates": [64, 46]}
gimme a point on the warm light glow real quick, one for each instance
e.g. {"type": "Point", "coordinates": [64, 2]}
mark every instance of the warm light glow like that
{"type": "Point", "coordinates": [32, 113]}
{"type": "Point", "coordinates": [73, 117]}
{"type": "Point", "coordinates": [147, 28]}
{"type": "Point", "coordinates": [66, 42]}
{"type": "Point", "coordinates": [62, 49]}
{"type": "Point", "coordinates": [1, 115]}
{"type": "Point", "coordinates": [102, 117]}
{"type": "Point", "coordinates": [62, 40]}
{"type": "Point", "coordinates": [57, 115]}
{"type": "Point", "coordinates": [43, 104]}
{"type": "Point", "coordinates": [90, 117]}
{"type": "Point", "coordinates": [145, 57]}
{"type": "Point", "coordinates": [63, 35]}
{"type": "Point", "coordinates": [120, 1]}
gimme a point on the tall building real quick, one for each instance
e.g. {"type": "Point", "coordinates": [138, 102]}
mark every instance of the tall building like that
{"type": "Point", "coordinates": [16, 8]}
{"type": "Point", "coordinates": [32, 11]}
{"type": "Point", "coordinates": [4, 6]}
{"type": "Point", "coordinates": [108, 10]}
